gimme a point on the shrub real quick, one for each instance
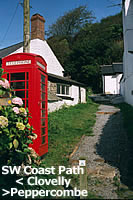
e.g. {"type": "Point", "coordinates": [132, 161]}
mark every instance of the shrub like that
{"type": "Point", "coordinates": [15, 132]}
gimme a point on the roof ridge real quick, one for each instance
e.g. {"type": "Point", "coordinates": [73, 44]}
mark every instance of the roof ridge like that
{"type": "Point", "coordinates": [11, 46]}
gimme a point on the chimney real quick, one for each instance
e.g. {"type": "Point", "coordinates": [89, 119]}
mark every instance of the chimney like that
{"type": "Point", "coordinates": [37, 27]}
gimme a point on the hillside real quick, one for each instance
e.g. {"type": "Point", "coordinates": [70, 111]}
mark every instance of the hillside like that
{"type": "Point", "coordinates": [93, 45]}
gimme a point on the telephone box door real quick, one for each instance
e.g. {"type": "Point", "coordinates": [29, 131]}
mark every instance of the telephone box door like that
{"type": "Point", "coordinates": [43, 112]}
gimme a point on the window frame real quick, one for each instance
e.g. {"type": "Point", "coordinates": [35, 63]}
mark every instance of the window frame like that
{"type": "Point", "coordinates": [60, 89]}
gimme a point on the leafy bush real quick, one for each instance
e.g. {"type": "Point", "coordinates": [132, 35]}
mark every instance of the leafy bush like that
{"type": "Point", "coordinates": [15, 132]}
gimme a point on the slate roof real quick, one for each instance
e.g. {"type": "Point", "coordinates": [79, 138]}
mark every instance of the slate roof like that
{"type": "Point", "coordinates": [60, 79]}
{"type": "Point", "coordinates": [118, 67]}
{"type": "Point", "coordinates": [107, 69]}
{"type": "Point", "coordinates": [6, 51]}
{"type": "Point", "coordinates": [115, 68]}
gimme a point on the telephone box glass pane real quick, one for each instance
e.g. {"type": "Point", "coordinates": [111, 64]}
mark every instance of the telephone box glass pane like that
{"type": "Point", "coordinates": [27, 103]}
{"type": "Point", "coordinates": [27, 84]}
{"type": "Point", "coordinates": [43, 113]}
{"type": "Point", "coordinates": [27, 76]}
{"type": "Point", "coordinates": [43, 139]}
{"type": "Point", "coordinates": [43, 107]}
{"type": "Point", "coordinates": [43, 87]}
{"type": "Point", "coordinates": [42, 78]}
{"type": "Point", "coordinates": [43, 96]}
{"type": "Point", "coordinates": [20, 94]}
{"type": "Point", "coordinates": [43, 104]}
{"type": "Point", "coordinates": [43, 131]}
{"type": "Point", "coordinates": [27, 94]}
{"type": "Point", "coordinates": [43, 122]}
{"type": "Point", "coordinates": [24, 103]}
{"type": "Point", "coordinates": [17, 76]}
{"type": "Point", "coordinates": [18, 85]}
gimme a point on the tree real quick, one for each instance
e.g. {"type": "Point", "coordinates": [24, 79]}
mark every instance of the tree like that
{"type": "Point", "coordinates": [60, 47]}
{"type": "Point", "coordinates": [91, 76]}
{"type": "Point", "coordinates": [72, 21]}
{"type": "Point", "coordinates": [92, 45]}
{"type": "Point", "coordinates": [114, 53]}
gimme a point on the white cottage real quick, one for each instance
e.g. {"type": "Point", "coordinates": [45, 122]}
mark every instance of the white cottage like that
{"type": "Point", "coordinates": [61, 90]}
{"type": "Point", "coordinates": [127, 81]}
{"type": "Point", "coordinates": [111, 77]}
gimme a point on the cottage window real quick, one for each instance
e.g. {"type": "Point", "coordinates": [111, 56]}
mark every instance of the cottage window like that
{"type": "Point", "coordinates": [67, 90]}
{"type": "Point", "coordinates": [58, 89]}
{"type": "Point", "coordinates": [62, 89]}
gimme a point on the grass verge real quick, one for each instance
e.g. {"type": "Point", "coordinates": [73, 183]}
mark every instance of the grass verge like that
{"type": "Point", "coordinates": [66, 126]}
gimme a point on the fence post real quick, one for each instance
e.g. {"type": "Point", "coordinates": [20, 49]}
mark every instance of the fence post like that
{"type": "Point", "coordinates": [83, 177]}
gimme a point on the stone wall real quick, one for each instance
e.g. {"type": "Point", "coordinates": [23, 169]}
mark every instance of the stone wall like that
{"type": "Point", "coordinates": [52, 87]}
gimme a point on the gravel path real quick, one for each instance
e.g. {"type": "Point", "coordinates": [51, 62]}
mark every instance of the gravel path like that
{"type": "Point", "coordinates": [104, 152]}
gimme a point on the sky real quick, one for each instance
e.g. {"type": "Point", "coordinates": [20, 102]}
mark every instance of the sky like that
{"type": "Point", "coordinates": [11, 14]}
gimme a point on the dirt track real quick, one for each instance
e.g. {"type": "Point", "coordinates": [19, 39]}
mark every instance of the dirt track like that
{"type": "Point", "coordinates": [105, 153]}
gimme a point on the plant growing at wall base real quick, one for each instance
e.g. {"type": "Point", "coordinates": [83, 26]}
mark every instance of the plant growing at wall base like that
{"type": "Point", "coordinates": [16, 134]}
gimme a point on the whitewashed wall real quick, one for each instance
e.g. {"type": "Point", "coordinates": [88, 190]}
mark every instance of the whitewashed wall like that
{"type": "Point", "coordinates": [112, 84]}
{"type": "Point", "coordinates": [122, 88]}
{"type": "Point", "coordinates": [83, 95]}
{"type": "Point", "coordinates": [74, 93]}
{"type": "Point", "coordinates": [41, 48]}
{"type": "Point", "coordinates": [127, 82]}
{"type": "Point", "coordinates": [129, 90]}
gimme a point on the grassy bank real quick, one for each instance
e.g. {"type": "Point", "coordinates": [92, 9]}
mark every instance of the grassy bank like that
{"type": "Point", "coordinates": [66, 126]}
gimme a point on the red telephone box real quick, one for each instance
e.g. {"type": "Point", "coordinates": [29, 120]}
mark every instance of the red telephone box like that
{"type": "Point", "coordinates": [27, 74]}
